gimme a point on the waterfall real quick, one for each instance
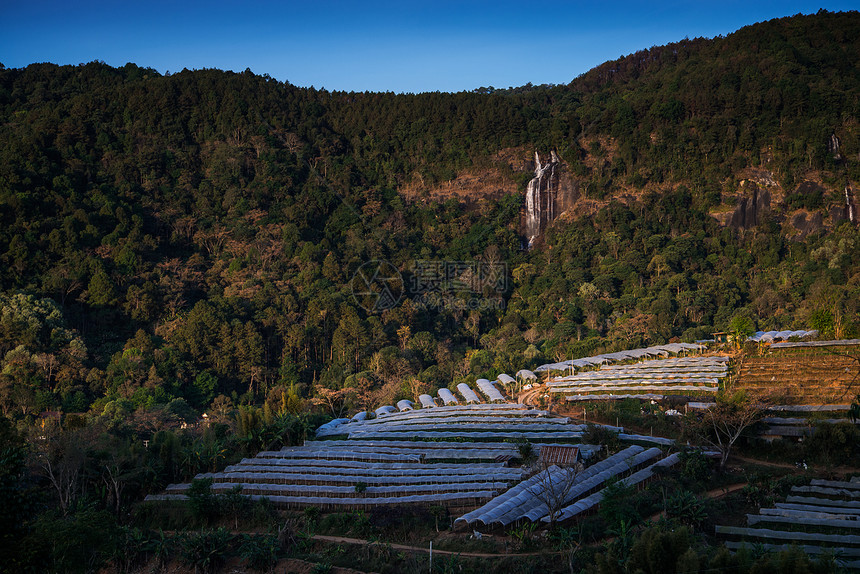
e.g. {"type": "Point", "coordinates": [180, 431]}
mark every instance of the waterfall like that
{"type": "Point", "coordinates": [550, 197]}
{"type": "Point", "coordinates": [848, 204]}
{"type": "Point", "coordinates": [540, 185]}
{"type": "Point", "coordinates": [533, 203]}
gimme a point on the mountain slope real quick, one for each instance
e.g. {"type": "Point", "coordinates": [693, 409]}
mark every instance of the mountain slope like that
{"type": "Point", "coordinates": [198, 234]}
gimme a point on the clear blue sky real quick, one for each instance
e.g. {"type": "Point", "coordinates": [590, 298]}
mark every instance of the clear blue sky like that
{"type": "Point", "coordinates": [401, 46]}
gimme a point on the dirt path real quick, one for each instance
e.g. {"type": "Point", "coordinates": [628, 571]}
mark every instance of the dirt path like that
{"type": "Point", "coordinates": [426, 549]}
{"type": "Point", "coordinates": [530, 397]}
{"type": "Point", "coordinates": [762, 462]}
{"type": "Point", "coordinates": [816, 468]}
{"type": "Point", "coordinates": [722, 491]}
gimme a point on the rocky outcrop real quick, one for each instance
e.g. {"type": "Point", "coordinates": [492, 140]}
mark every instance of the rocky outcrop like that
{"type": "Point", "coordinates": [811, 207]}
{"type": "Point", "coordinates": [805, 223]}
{"type": "Point", "coordinates": [751, 208]}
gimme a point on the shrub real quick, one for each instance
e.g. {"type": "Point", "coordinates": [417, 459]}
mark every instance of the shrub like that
{"type": "Point", "coordinates": [232, 504]}
{"type": "Point", "coordinates": [312, 514]}
{"type": "Point", "coordinates": [618, 505]}
{"type": "Point", "coordinates": [526, 452]}
{"type": "Point", "coordinates": [695, 466]}
{"type": "Point", "coordinates": [206, 550]}
{"type": "Point", "coordinates": [660, 551]}
{"type": "Point", "coordinates": [201, 501]}
{"type": "Point", "coordinates": [133, 548]}
{"type": "Point", "coordinates": [833, 443]}
{"type": "Point", "coordinates": [601, 435]}
{"type": "Point", "coordinates": [685, 507]}
{"type": "Point", "coordinates": [79, 542]}
{"type": "Point", "coordinates": [260, 552]}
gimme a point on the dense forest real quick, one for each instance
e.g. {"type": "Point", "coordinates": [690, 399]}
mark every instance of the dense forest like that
{"type": "Point", "coordinates": [195, 235]}
{"type": "Point", "coordinates": [185, 243]}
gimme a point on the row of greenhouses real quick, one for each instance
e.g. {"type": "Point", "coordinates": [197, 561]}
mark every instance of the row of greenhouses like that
{"type": "Point", "coordinates": [822, 518]}
{"type": "Point", "coordinates": [699, 375]}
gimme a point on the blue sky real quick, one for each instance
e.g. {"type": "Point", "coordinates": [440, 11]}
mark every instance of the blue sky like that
{"type": "Point", "coordinates": [403, 46]}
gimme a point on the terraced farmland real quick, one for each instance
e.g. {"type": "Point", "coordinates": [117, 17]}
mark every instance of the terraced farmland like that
{"type": "Point", "coordinates": [693, 376]}
{"type": "Point", "coordinates": [804, 374]}
{"type": "Point", "coordinates": [456, 456]}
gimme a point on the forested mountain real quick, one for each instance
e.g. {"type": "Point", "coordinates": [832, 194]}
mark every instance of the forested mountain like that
{"type": "Point", "coordinates": [196, 236]}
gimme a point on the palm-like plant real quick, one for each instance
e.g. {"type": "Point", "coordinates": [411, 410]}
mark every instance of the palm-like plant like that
{"type": "Point", "coordinates": [687, 508]}
{"type": "Point", "coordinates": [260, 552]}
{"type": "Point", "coordinates": [207, 549]}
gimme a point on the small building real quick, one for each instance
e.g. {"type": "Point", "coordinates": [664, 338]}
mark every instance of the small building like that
{"type": "Point", "coordinates": [559, 456]}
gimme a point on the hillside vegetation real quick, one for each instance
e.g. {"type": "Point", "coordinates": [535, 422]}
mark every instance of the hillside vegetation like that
{"type": "Point", "coordinates": [194, 236]}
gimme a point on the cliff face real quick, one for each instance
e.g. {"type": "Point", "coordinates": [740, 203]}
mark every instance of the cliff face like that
{"type": "Point", "coordinates": [752, 207]}
{"type": "Point", "coordinates": [810, 207]}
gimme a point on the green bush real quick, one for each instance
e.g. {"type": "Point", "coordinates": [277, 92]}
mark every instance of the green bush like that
{"type": "Point", "coordinates": [686, 508]}
{"type": "Point", "coordinates": [595, 434]}
{"type": "Point", "coordinates": [233, 504]}
{"type": "Point", "coordinates": [833, 443]}
{"type": "Point", "coordinates": [134, 547]}
{"type": "Point", "coordinates": [618, 505]}
{"type": "Point", "coordinates": [526, 452]}
{"type": "Point", "coordinates": [79, 542]}
{"type": "Point", "coordinates": [206, 550]}
{"type": "Point", "coordinates": [201, 500]}
{"type": "Point", "coordinates": [659, 551]}
{"type": "Point", "coordinates": [260, 551]}
{"type": "Point", "coordinates": [312, 514]}
{"type": "Point", "coordinates": [695, 466]}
